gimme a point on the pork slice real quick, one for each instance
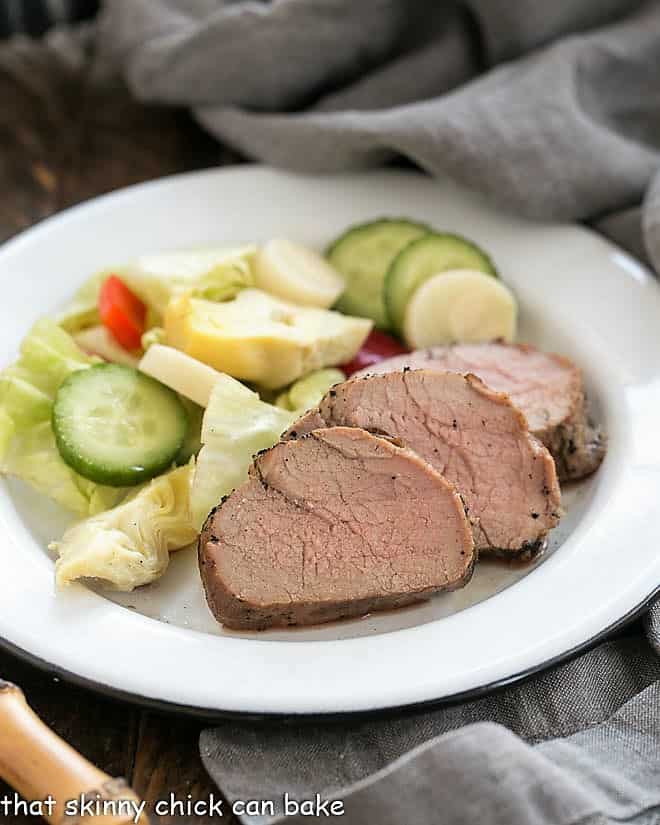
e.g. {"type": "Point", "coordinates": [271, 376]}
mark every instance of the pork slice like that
{"type": "Point", "coordinates": [546, 387]}
{"type": "Point", "coordinates": [469, 433]}
{"type": "Point", "coordinates": [336, 524]}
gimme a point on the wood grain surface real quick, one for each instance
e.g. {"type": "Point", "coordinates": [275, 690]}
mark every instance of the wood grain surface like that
{"type": "Point", "coordinates": [67, 135]}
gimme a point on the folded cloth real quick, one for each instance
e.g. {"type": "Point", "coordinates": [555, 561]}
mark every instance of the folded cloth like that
{"type": "Point", "coordinates": [568, 130]}
{"type": "Point", "coordinates": [579, 743]}
{"type": "Point", "coordinates": [37, 16]}
{"type": "Point", "coordinates": [548, 108]}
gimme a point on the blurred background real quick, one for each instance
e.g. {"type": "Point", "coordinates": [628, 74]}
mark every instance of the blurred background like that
{"type": "Point", "coordinates": [67, 135]}
{"type": "Point", "coordinates": [36, 16]}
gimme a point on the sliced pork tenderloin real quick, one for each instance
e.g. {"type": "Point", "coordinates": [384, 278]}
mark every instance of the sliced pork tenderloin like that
{"type": "Point", "coordinates": [337, 524]}
{"type": "Point", "coordinates": [470, 434]}
{"type": "Point", "coordinates": [547, 388]}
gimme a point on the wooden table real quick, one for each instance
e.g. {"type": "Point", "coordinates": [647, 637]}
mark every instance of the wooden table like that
{"type": "Point", "coordinates": [63, 139]}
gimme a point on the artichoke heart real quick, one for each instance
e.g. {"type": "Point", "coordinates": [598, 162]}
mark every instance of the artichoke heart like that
{"type": "Point", "coordinates": [129, 545]}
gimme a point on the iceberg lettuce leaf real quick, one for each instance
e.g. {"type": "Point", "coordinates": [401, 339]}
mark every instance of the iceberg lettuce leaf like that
{"type": "Point", "coordinates": [129, 546]}
{"type": "Point", "coordinates": [213, 274]}
{"type": "Point", "coordinates": [27, 388]}
{"type": "Point", "coordinates": [47, 355]}
{"type": "Point", "coordinates": [82, 311]}
{"type": "Point", "coordinates": [27, 444]}
{"type": "Point", "coordinates": [33, 456]}
{"type": "Point", "coordinates": [236, 425]}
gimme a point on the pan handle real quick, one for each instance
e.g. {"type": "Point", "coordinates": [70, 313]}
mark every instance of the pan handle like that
{"type": "Point", "coordinates": [41, 766]}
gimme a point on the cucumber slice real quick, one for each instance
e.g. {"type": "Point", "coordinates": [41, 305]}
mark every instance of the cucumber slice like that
{"type": "Point", "coordinates": [192, 443]}
{"type": "Point", "coordinates": [363, 255]}
{"type": "Point", "coordinates": [460, 306]}
{"type": "Point", "coordinates": [420, 260]}
{"type": "Point", "coordinates": [117, 426]}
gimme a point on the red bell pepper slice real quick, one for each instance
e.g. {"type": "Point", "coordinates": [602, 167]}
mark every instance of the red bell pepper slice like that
{"type": "Point", "coordinates": [378, 346]}
{"type": "Point", "coordinates": [122, 312]}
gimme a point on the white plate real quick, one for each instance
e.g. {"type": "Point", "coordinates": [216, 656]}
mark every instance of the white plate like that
{"type": "Point", "coordinates": [579, 296]}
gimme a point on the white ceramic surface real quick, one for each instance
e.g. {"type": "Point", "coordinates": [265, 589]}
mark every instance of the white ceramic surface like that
{"type": "Point", "coordinates": [579, 295]}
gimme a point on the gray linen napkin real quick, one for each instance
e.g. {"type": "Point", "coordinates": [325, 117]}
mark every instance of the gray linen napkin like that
{"type": "Point", "coordinates": [569, 130]}
{"type": "Point", "coordinates": [580, 741]}
{"type": "Point", "coordinates": [549, 108]}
